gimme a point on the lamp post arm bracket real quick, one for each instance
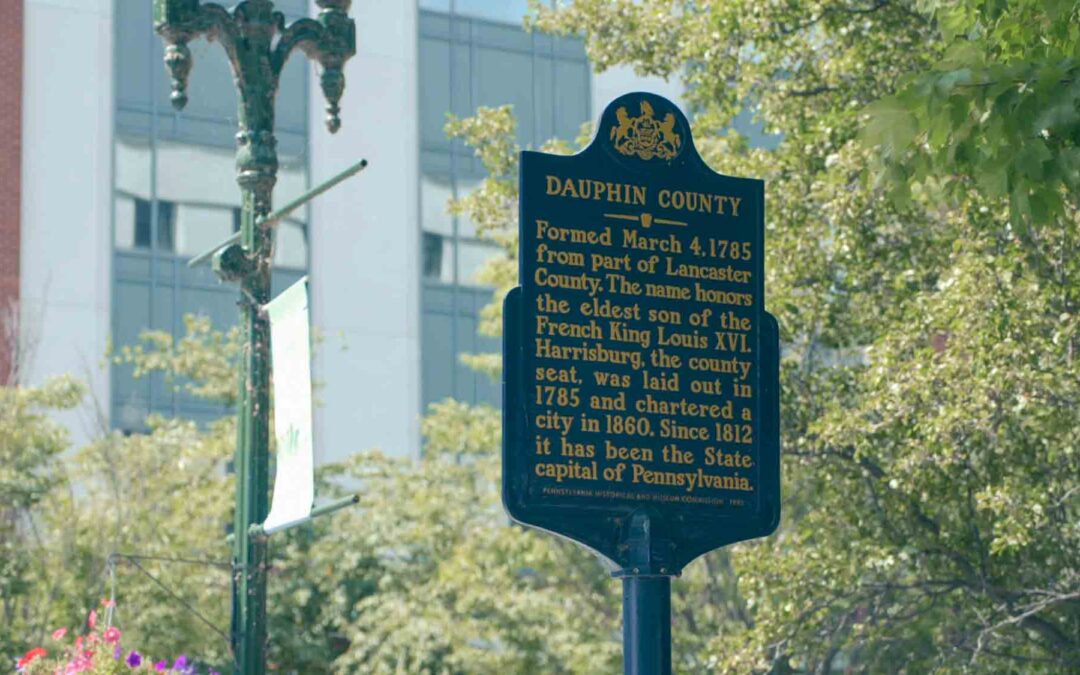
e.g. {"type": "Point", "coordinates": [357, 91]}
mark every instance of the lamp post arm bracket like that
{"type": "Point", "coordinates": [209, 253]}
{"type": "Point", "coordinates": [282, 213]}
{"type": "Point", "coordinates": [257, 531]}
{"type": "Point", "coordinates": [276, 216]}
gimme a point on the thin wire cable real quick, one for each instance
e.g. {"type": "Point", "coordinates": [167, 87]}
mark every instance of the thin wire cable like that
{"type": "Point", "coordinates": [189, 561]}
{"type": "Point", "coordinates": [112, 593]}
{"type": "Point", "coordinates": [187, 605]}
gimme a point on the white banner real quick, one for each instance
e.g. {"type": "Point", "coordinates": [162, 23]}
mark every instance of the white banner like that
{"type": "Point", "coordinates": [290, 352]}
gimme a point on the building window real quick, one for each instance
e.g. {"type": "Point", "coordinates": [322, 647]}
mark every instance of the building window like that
{"type": "Point", "coordinates": [432, 255]}
{"type": "Point", "coordinates": [474, 53]}
{"type": "Point", "coordinates": [144, 225]}
{"type": "Point", "coordinates": [175, 196]}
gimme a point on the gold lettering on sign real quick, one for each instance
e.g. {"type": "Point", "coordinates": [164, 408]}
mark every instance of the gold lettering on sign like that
{"type": "Point", "coordinates": [641, 331]}
{"type": "Point", "coordinates": [588, 188]}
{"type": "Point", "coordinates": [632, 194]}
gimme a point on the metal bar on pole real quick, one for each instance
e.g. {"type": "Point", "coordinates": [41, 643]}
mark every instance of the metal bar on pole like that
{"type": "Point", "coordinates": [646, 625]}
{"type": "Point", "coordinates": [325, 509]}
{"type": "Point", "coordinates": [284, 211]}
{"type": "Point", "coordinates": [209, 253]}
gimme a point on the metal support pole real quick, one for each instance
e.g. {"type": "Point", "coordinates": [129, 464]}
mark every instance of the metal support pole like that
{"type": "Point", "coordinates": [257, 43]}
{"type": "Point", "coordinates": [646, 625]}
{"type": "Point", "coordinates": [646, 580]}
{"type": "Point", "coordinates": [253, 438]}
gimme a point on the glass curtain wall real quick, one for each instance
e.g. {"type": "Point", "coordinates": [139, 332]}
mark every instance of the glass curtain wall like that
{"type": "Point", "coordinates": [175, 195]}
{"type": "Point", "coordinates": [474, 53]}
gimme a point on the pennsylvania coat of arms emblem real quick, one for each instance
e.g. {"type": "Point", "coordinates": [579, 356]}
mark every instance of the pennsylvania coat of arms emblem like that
{"type": "Point", "coordinates": [644, 135]}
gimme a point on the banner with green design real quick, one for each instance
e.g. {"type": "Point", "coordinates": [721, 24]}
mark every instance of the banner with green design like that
{"type": "Point", "coordinates": [290, 351]}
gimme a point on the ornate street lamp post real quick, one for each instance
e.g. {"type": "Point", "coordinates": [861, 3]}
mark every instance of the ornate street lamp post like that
{"type": "Point", "coordinates": [247, 33]}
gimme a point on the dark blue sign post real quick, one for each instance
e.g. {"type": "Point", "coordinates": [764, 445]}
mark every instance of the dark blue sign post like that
{"type": "Point", "coordinates": [641, 402]}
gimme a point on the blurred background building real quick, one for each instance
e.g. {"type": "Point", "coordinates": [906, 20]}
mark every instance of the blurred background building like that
{"type": "Point", "coordinates": [106, 192]}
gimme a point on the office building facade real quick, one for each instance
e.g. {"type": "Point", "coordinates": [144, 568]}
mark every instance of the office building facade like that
{"type": "Point", "coordinates": [114, 191]}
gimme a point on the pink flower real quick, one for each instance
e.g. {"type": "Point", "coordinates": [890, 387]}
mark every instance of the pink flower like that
{"type": "Point", "coordinates": [59, 633]}
{"type": "Point", "coordinates": [81, 663]}
{"type": "Point", "coordinates": [92, 621]}
{"type": "Point", "coordinates": [108, 603]}
{"type": "Point", "coordinates": [112, 634]}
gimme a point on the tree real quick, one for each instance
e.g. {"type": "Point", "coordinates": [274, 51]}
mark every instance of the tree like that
{"type": "Point", "coordinates": [30, 445]}
{"type": "Point", "coordinates": [930, 398]}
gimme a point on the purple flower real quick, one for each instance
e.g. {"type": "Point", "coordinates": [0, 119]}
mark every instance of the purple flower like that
{"type": "Point", "coordinates": [117, 653]}
{"type": "Point", "coordinates": [160, 666]}
{"type": "Point", "coordinates": [134, 659]}
{"type": "Point", "coordinates": [181, 665]}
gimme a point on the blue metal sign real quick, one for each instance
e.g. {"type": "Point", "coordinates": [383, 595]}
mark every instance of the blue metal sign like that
{"type": "Point", "coordinates": [641, 402]}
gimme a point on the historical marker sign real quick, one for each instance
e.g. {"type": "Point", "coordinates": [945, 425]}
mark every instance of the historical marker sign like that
{"type": "Point", "coordinates": [640, 367]}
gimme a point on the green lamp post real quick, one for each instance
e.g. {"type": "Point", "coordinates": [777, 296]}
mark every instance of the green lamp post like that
{"type": "Point", "coordinates": [247, 33]}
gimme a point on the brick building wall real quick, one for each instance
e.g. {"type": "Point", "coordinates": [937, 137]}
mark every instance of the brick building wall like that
{"type": "Point", "coordinates": [11, 71]}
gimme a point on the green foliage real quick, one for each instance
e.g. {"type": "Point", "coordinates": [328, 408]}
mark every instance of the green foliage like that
{"type": "Point", "coordinates": [457, 590]}
{"type": "Point", "coordinates": [109, 514]}
{"type": "Point", "coordinates": [999, 109]}
{"type": "Point", "coordinates": [30, 444]}
{"type": "Point", "coordinates": [930, 406]}
{"type": "Point", "coordinates": [202, 362]}
{"type": "Point", "coordinates": [32, 441]}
